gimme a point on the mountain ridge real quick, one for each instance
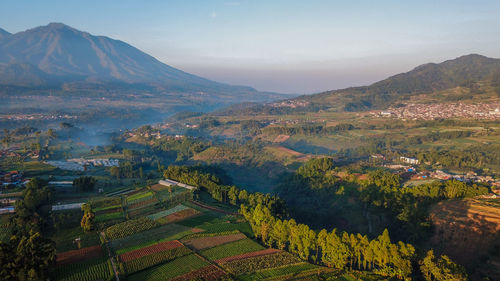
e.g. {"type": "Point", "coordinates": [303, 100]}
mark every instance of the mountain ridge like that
{"type": "Point", "coordinates": [61, 56]}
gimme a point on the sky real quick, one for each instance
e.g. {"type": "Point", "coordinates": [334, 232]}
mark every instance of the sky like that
{"type": "Point", "coordinates": [283, 46]}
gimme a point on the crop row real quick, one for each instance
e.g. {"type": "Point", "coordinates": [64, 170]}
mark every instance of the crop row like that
{"type": "Point", "coordinates": [129, 227]}
{"type": "Point", "coordinates": [248, 255]}
{"type": "Point", "coordinates": [144, 211]}
{"type": "Point", "coordinates": [109, 216]}
{"type": "Point", "coordinates": [154, 259]}
{"type": "Point", "coordinates": [139, 197]}
{"type": "Point", "coordinates": [179, 216]}
{"type": "Point", "coordinates": [210, 272]}
{"type": "Point", "coordinates": [291, 270]}
{"type": "Point", "coordinates": [167, 212]}
{"type": "Point", "coordinates": [232, 249]}
{"type": "Point", "coordinates": [149, 237]}
{"type": "Point", "coordinates": [142, 203]}
{"type": "Point", "coordinates": [209, 242]}
{"type": "Point", "coordinates": [149, 250]}
{"type": "Point", "coordinates": [90, 270]}
{"type": "Point", "coordinates": [170, 270]}
{"type": "Point", "coordinates": [253, 264]}
{"type": "Point", "coordinates": [109, 202]}
{"type": "Point", "coordinates": [79, 255]}
{"type": "Point", "coordinates": [210, 234]}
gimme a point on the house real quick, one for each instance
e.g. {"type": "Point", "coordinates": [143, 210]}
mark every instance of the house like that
{"type": "Point", "coordinates": [409, 160]}
{"type": "Point", "coordinates": [169, 182]}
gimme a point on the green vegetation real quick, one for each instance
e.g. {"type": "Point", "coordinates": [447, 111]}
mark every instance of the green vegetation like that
{"type": "Point", "coordinates": [149, 237]}
{"type": "Point", "coordinates": [170, 270]}
{"type": "Point", "coordinates": [93, 269]}
{"type": "Point", "coordinates": [154, 259]}
{"type": "Point", "coordinates": [129, 227]}
{"type": "Point", "coordinates": [253, 264]}
{"type": "Point", "coordinates": [231, 249]}
{"type": "Point", "coordinates": [280, 271]}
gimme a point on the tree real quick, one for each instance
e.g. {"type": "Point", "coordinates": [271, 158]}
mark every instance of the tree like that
{"type": "Point", "coordinates": [441, 269]}
{"type": "Point", "coordinates": [84, 183]}
{"type": "Point", "coordinates": [87, 222]}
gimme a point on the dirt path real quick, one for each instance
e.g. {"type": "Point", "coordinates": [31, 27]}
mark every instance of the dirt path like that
{"type": "Point", "coordinates": [110, 257]}
{"type": "Point", "coordinates": [211, 208]}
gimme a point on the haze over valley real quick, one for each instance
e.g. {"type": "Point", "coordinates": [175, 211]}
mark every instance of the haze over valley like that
{"type": "Point", "coordinates": [249, 140]}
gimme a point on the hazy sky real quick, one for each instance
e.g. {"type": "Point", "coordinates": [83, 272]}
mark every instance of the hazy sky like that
{"type": "Point", "coordinates": [285, 46]}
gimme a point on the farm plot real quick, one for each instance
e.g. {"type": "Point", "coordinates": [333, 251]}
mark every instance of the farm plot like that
{"type": "Point", "coordinates": [179, 216]}
{"type": "Point", "coordinates": [148, 261]}
{"type": "Point", "coordinates": [153, 249]}
{"type": "Point", "coordinates": [210, 272]}
{"type": "Point", "coordinates": [287, 271]}
{"type": "Point", "coordinates": [150, 237]}
{"type": "Point", "coordinates": [144, 211]}
{"type": "Point", "coordinates": [214, 223]}
{"type": "Point", "coordinates": [165, 213]}
{"type": "Point", "coordinates": [232, 249]}
{"type": "Point", "coordinates": [79, 255]}
{"type": "Point", "coordinates": [253, 264]}
{"type": "Point", "coordinates": [142, 203]}
{"type": "Point", "coordinates": [170, 270]}
{"type": "Point", "coordinates": [209, 242]}
{"type": "Point", "coordinates": [106, 203]}
{"type": "Point", "coordinates": [139, 197]}
{"type": "Point", "coordinates": [65, 239]}
{"type": "Point", "coordinates": [129, 227]}
{"type": "Point", "coordinates": [109, 216]}
{"type": "Point", "coordinates": [90, 270]}
{"type": "Point", "coordinates": [248, 255]}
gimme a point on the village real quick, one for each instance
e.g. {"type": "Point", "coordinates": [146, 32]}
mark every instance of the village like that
{"type": "Point", "coordinates": [488, 111]}
{"type": "Point", "coordinates": [407, 167]}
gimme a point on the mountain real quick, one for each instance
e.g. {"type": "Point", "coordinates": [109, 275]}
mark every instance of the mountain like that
{"type": "Point", "coordinates": [428, 78]}
{"type": "Point", "coordinates": [59, 56]}
{"type": "Point", "coordinates": [4, 34]}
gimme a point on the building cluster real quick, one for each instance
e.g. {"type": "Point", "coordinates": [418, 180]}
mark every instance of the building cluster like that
{"type": "Point", "coordinates": [169, 182]}
{"type": "Point", "coordinates": [14, 152]}
{"type": "Point", "coordinates": [290, 103]}
{"type": "Point", "coordinates": [413, 111]}
{"type": "Point", "coordinates": [12, 178]}
{"type": "Point", "coordinates": [22, 117]}
{"type": "Point", "coordinates": [81, 165]}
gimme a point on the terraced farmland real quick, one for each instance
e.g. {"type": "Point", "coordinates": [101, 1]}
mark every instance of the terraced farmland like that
{"type": "Point", "coordinates": [232, 249]}
{"type": "Point", "coordinates": [89, 270]}
{"type": "Point", "coordinates": [208, 242]}
{"type": "Point", "coordinates": [170, 270]}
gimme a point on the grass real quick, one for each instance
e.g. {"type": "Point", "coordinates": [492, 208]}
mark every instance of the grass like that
{"type": "Point", "coordinates": [163, 233]}
{"type": "Point", "coordinates": [90, 270]}
{"type": "Point", "coordinates": [65, 239]}
{"type": "Point", "coordinates": [232, 249]}
{"type": "Point", "coordinates": [170, 270]}
{"type": "Point", "coordinates": [95, 210]}
{"type": "Point", "coordinates": [280, 271]}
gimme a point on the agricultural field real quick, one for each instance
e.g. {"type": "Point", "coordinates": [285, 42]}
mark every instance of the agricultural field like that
{"type": "Point", "coordinates": [253, 264]}
{"type": "Point", "coordinates": [132, 265]}
{"type": "Point", "coordinates": [89, 270]}
{"type": "Point", "coordinates": [283, 272]}
{"type": "Point", "coordinates": [170, 270]}
{"type": "Point", "coordinates": [232, 249]}
{"type": "Point", "coordinates": [209, 242]}
{"type": "Point", "coordinates": [210, 272]}
{"type": "Point", "coordinates": [129, 227]}
{"type": "Point", "coordinates": [150, 237]}
{"type": "Point", "coordinates": [79, 255]}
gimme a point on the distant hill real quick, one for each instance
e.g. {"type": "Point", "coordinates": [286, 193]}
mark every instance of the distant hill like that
{"type": "Point", "coordinates": [476, 74]}
{"type": "Point", "coordinates": [58, 56]}
{"type": "Point", "coordinates": [427, 78]}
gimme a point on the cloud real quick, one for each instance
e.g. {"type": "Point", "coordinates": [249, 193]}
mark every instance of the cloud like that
{"type": "Point", "coordinates": [213, 15]}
